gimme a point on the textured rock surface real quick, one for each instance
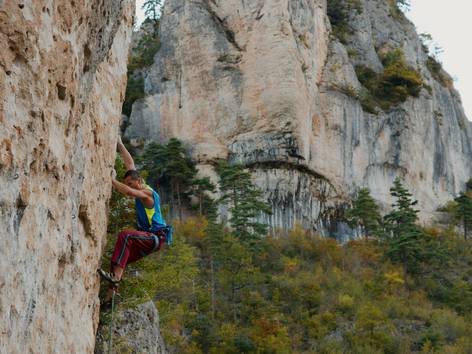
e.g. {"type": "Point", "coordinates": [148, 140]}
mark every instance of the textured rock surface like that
{"type": "Point", "coordinates": [253, 81]}
{"type": "Point", "coordinates": [62, 77]}
{"type": "Point", "coordinates": [134, 331]}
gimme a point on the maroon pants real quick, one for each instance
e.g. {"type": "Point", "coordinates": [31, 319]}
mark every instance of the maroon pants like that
{"type": "Point", "coordinates": [133, 245]}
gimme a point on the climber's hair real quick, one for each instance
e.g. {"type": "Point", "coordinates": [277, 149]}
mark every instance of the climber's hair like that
{"type": "Point", "coordinates": [133, 174]}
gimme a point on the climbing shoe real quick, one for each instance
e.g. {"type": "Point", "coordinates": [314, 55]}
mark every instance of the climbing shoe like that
{"type": "Point", "coordinates": [110, 277]}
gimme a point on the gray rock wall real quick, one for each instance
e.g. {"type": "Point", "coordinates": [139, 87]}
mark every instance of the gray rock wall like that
{"type": "Point", "coordinates": [133, 331]}
{"type": "Point", "coordinates": [62, 81]}
{"type": "Point", "coordinates": [256, 81]}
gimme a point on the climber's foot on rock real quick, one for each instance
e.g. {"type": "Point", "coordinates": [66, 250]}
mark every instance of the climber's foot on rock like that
{"type": "Point", "coordinates": [110, 277]}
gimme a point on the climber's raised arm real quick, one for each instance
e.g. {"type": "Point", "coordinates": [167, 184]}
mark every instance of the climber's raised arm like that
{"type": "Point", "coordinates": [145, 196]}
{"type": "Point", "coordinates": [126, 156]}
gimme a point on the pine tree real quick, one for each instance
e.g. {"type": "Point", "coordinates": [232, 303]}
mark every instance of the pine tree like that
{"type": "Point", "coordinates": [468, 186]}
{"type": "Point", "coordinates": [171, 168]}
{"type": "Point", "coordinates": [244, 201]}
{"type": "Point", "coordinates": [154, 160]}
{"type": "Point", "coordinates": [215, 234]}
{"type": "Point", "coordinates": [181, 171]}
{"type": "Point", "coordinates": [365, 214]}
{"type": "Point", "coordinates": [463, 211]}
{"type": "Point", "coordinates": [201, 188]}
{"type": "Point", "coordinates": [404, 238]}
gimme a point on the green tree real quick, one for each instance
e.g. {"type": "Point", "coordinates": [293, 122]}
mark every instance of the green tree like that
{"type": "Point", "coordinates": [154, 160]}
{"type": "Point", "coordinates": [463, 210]}
{"type": "Point", "coordinates": [244, 201]}
{"type": "Point", "coordinates": [213, 253]}
{"type": "Point", "coordinates": [339, 13]}
{"type": "Point", "coordinates": [468, 185]}
{"type": "Point", "coordinates": [180, 170]}
{"type": "Point", "coordinates": [404, 237]}
{"type": "Point", "coordinates": [236, 272]}
{"type": "Point", "coordinates": [372, 331]}
{"type": "Point", "coordinates": [201, 188]}
{"type": "Point", "coordinates": [365, 213]}
{"type": "Point", "coordinates": [170, 166]}
{"type": "Point", "coordinates": [392, 86]}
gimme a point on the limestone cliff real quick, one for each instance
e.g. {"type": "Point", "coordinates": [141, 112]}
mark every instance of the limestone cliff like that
{"type": "Point", "coordinates": [133, 331]}
{"type": "Point", "coordinates": [62, 77]}
{"type": "Point", "coordinates": [267, 84]}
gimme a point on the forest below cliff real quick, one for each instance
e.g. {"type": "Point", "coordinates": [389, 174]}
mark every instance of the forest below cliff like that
{"type": "Point", "coordinates": [229, 284]}
{"type": "Point", "coordinates": [238, 288]}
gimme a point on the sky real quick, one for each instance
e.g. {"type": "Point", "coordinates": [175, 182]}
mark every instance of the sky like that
{"type": "Point", "coordinates": [140, 12]}
{"type": "Point", "coordinates": [448, 23]}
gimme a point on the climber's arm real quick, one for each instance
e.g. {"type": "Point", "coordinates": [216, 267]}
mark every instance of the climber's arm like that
{"type": "Point", "coordinates": [145, 197]}
{"type": "Point", "coordinates": [127, 159]}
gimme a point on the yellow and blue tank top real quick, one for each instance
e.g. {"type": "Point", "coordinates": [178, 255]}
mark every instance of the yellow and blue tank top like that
{"type": "Point", "coordinates": [149, 220]}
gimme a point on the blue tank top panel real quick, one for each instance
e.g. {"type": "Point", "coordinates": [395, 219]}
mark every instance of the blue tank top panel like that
{"type": "Point", "coordinates": [149, 220]}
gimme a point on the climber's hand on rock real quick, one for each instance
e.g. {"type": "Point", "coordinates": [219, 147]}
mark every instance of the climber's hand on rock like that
{"type": "Point", "coordinates": [119, 140]}
{"type": "Point", "coordinates": [113, 174]}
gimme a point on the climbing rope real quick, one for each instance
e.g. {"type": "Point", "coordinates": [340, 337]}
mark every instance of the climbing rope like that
{"type": "Point", "coordinates": [110, 336]}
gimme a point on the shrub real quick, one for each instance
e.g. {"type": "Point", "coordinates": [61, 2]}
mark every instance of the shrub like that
{"type": "Point", "coordinates": [368, 102]}
{"type": "Point", "coordinates": [397, 82]}
{"type": "Point", "coordinates": [367, 77]}
{"type": "Point", "coordinates": [147, 47]}
{"type": "Point", "coordinates": [433, 64]}
{"type": "Point", "coordinates": [436, 70]}
{"type": "Point", "coordinates": [397, 7]}
{"type": "Point", "coordinates": [352, 52]}
{"type": "Point", "coordinates": [339, 12]}
{"type": "Point", "coordinates": [347, 90]}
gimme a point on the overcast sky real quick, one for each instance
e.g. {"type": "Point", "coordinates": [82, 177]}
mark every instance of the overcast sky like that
{"type": "Point", "coordinates": [449, 22]}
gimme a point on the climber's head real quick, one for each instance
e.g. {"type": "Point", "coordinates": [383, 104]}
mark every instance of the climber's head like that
{"type": "Point", "coordinates": [133, 179]}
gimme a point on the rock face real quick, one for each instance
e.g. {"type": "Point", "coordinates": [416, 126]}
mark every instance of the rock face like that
{"type": "Point", "coordinates": [62, 77]}
{"type": "Point", "coordinates": [256, 81]}
{"type": "Point", "coordinates": [134, 331]}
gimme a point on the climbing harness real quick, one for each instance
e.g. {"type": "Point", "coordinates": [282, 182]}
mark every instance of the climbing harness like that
{"type": "Point", "coordinates": [168, 233]}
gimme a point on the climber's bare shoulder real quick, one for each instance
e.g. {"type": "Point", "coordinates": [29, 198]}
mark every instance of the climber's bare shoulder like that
{"type": "Point", "coordinates": [147, 198]}
{"type": "Point", "coordinates": [148, 192]}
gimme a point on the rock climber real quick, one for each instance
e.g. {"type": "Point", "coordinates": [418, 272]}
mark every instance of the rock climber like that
{"type": "Point", "coordinates": [152, 232]}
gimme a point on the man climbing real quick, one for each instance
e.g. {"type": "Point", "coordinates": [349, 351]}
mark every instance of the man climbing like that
{"type": "Point", "coordinates": [152, 232]}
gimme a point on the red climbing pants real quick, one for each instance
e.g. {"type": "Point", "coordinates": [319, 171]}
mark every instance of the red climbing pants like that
{"type": "Point", "coordinates": [133, 245]}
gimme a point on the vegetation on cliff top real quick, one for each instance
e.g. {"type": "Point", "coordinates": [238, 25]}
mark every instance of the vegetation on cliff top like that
{"type": "Point", "coordinates": [340, 13]}
{"type": "Point", "coordinates": [386, 90]}
{"type": "Point", "coordinates": [433, 63]}
{"type": "Point", "coordinates": [394, 85]}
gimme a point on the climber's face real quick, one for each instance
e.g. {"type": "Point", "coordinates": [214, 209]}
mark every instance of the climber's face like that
{"type": "Point", "coordinates": [133, 183]}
